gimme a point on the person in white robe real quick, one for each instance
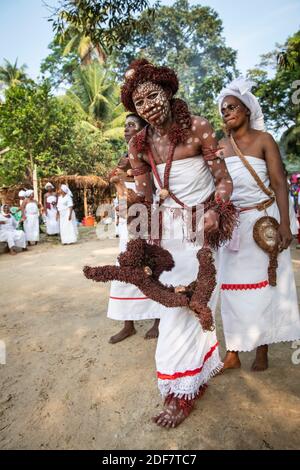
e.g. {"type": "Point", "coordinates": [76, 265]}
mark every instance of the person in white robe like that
{"type": "Point", "coordinates": [66, 215]}
{"type": "Point", "coordinates": [126, 302]}
{"type": "Point", "coordinates": [22, 197]}
{"type": "Point", "coordinates": [254, 313]}
{"type": "Point", "coordinates": [8, 231]}
{"type": "Point", "coordinates": [50, 210]}
{"type": "Point", "coordinates": [30, 212]}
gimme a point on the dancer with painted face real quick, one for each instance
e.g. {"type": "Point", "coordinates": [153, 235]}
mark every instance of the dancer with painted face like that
{"type": "Point", "coordinates": [126, 302]}
{"type": "Point", "coordinates": [180, 151]}
{"type": "Point", "coordinates": [258, 299]}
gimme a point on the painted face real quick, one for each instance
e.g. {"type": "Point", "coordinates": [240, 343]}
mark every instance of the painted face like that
{"type": "Point", "coordinates": [234, 112]}
{"type": "Point", "coordinates": [151, 103]}
{"type": "Point", "coordinates": [132, 127]}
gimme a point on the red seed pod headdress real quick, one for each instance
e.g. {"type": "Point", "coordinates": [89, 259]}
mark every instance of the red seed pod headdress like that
{"type": "Point", "coordinates": [141, 71]}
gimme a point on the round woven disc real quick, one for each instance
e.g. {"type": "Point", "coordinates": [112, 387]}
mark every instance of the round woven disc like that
{"type": "Point", "coordinates": [265, 233]}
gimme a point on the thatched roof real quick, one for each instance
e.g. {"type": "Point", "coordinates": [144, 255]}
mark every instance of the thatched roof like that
{"type": "Point", "coordinates": [89, 181]}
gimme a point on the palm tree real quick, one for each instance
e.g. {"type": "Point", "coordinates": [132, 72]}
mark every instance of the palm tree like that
{"type": "Point", "coordinates": [83, 45]}
{"type": "Point", "coordinates": [96, 97]}
{"type": "Point", "coordinates": [11, 74]}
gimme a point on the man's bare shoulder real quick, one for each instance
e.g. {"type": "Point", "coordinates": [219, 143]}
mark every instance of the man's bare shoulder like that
{"type": "Point", "coordinates": [136, 140]}
{"type": "Point", "coordinates": [199, 121]}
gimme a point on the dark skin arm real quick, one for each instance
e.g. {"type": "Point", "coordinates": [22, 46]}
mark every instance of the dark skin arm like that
{"type": "Point", "coordinates": [278, 184]}
{"type": "Point", "coordinates": [218, 169]}
{"type": "Point", "coordinates": [143, 182]}
{"type": "Point", "coordinates": [24, 204]}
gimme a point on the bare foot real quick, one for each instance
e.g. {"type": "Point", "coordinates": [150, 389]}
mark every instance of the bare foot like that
{"type": "Point", "coordinates": [123, 334]}
{"type": "Point", "coordinates": [176, 410]}
{"type": "Point", "coordinates": [231, 360]}
{"type": "Point", "coordinates": [12, 252]}
{"type": "Point", "coordinates": [260, 362]}
{"type": "Point", "coordinates": [153, 332]}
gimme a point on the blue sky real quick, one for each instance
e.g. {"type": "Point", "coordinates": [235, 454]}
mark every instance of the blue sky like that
{"type": "Point", "coordinates": [251, 27]}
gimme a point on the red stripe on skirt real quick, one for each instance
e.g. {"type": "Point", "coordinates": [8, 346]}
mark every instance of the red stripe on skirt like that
{"type": "Point", "coordinates": [178, 375]}
{"type": "Point", "coordinates": [258, 285]}
{"type": "Point", "coordinates": [129, 298]}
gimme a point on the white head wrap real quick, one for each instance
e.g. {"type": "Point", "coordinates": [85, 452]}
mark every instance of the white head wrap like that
{"type": "Point", "coordinates": [66, 190]}
{"type": "Point", "coordinates": [22, 193]}
{"type": "Point", "coordinates": [240, 88]}
{"type": "Point", "coordinates": [29, 192]}
{"type": "Point", "coordinates": [49, 185]}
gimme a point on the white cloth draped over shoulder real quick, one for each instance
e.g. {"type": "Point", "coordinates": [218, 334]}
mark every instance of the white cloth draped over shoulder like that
{"type": "Point", "coordinates": [253, 312]}
{"type": "Point", "coordinates": [68, 228]}
{"type": "Point", "coordinates": [9, 234]}
{"type": "Point", "coordinates": [186, 356]}
{"type": "Point", "coordinates": [126, 301]}
{"type": "Point", "coordinates": [31, 223]}
{"type": "Point", "coordinates": [52, 224]}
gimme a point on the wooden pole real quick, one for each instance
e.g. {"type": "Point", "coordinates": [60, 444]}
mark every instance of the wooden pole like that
{"type": "Point", "coordinates": [85, 202]}
{"type": "Point", "coordinates": [35, 183]}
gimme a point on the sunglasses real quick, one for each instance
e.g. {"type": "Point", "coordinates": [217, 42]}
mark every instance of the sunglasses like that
{"type": "Point", "coordinates": [229, 107]}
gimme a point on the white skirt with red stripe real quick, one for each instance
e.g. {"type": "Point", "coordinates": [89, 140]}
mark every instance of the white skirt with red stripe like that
{"type": "Point", "coordinates": [253, 312]}
{"type": "Point", "coordinates": [186, 356]}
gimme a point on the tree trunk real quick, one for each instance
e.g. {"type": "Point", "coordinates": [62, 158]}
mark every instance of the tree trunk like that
{"type": "Point", "coordinates": [85, 202]}
{"type": "Point", "coordinates": [35, 183]}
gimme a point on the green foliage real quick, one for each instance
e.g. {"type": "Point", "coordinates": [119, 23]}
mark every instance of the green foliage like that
{"type": "Point", "coordinates": [278, 95]}
{"type": "Point", "coordinates": [96, 154]}
{"type": "Point", "coordinates": [11, 74]}
{"type": "Point", "coordinates": [189, 40]}
{"type": "Point", "coordinates": [39, 129]}
{"type": "Point", "coordinates": [107, 23]}
{"type": "Point", "coordinates": [289, 56]}
{"type": "Point", "coordinates": [97, 99]}
{"type": "Point", "coordinates": [57, 67]}
{"type": "Point", "coordinates": [55, 134]}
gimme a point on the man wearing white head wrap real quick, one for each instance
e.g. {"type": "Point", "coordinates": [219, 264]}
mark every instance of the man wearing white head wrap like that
{"type": "Point", "coordinates": [50, 210]}
{"type": "Point", "coordinates": [8, 233]}
{"type": "Point", "coordinates": [30, 217]}
{"type": "Point", "coordinates": [66, 214]}
{"type": "Point", "coordinates": [22, 194]}
{"type": "Point", "coordinates": [66, 190]}
{"type": "Point", "coordinates": [254, 313]}
{"type": "Point", "coordinates": [29, 193]}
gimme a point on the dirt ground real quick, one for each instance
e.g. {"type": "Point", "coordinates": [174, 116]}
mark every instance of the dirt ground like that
{"type": "Point", "coordinates": [65, 387]}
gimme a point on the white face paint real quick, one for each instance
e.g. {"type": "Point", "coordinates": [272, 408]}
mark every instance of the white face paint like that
{"type": "Point", "coordinates": [151, 103]}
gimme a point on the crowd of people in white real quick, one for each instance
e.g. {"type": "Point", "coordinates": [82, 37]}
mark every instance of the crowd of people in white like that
{"type": "Point", "coordinates": [20, 227]}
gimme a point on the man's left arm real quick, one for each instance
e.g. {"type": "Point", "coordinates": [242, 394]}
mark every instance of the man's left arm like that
{"type": "Point", "coordinates": [216, 164]}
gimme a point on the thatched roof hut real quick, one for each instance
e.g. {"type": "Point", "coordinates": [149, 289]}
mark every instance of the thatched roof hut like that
{"type": "Point", "coordinates": [9, 194]}
{"type": "Point", "coordinates": [81, 182]}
